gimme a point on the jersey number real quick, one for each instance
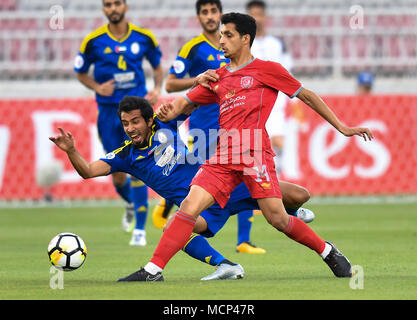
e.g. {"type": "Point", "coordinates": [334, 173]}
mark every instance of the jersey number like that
{"type": "Point", "coordinates": [121, 64]}
{"type": "Point", "coordinates": [262, 173]}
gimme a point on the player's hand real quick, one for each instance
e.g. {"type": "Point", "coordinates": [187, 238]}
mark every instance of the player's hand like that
{"type": "Point", "coordinates": [365, 133]}
{"type": "Point", "coordinates": [163, 111]}
{"type": "Point", "coordinates": [152, 96]}
{"type": "Point", "coordinates": [106, 88]}
{"type": "Point", "coordinates": [204, 78]}
{"type": "Point", "coordinates": [64, 141]}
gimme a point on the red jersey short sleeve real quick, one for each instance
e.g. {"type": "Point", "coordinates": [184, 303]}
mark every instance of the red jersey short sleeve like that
{"type": "Point", "coordinates": [276, 76]}
{"type": "Point", "coordinates": [202, 96]}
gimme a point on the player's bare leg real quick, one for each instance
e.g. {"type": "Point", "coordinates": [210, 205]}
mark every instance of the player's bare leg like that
{"type": "Point", "coordinates": [175, 235]}
{"type": "Point", "coordinates": [293, 197]}
{"type": "Point", "coordinates": [294, 228]}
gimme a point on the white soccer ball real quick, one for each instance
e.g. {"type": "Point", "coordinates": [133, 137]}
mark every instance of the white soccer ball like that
{"type": "Point", "coordinates": [67, 251]}
{"type": "Point", "coordinates": [49, 173]}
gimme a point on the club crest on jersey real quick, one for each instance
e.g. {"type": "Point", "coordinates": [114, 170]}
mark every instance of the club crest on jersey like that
{"type": "Point", "coordinates": [230, 94]}
{"type": "Point", "coordinates": [246, 82]}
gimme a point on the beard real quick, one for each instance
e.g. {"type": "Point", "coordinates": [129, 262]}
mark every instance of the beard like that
{"type": "Point", "coordinates": [211, 29]}
{"type": "Point", "coordinates": [115, 18]}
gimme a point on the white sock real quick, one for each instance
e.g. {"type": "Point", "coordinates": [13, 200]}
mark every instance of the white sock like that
{"type": "Point", "coordinates": [152, 268]}
{"type": "Point", "coordinates": [326, 250]}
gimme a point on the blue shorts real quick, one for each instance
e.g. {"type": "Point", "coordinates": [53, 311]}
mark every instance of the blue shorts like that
{"type": "Point", "coordinates": [109, 127]}
{"type": "Point", "coordinates": [216, 217]}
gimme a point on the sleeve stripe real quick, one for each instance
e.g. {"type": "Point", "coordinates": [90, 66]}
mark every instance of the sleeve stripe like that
{"type": "Point", "coordinates": [297, 92]}
{"type": "Point", "coordinates": [185, 50]}
{"type": "Point", "coordinates": [145, 32]}
{"type": "Point", "coordinates": [187, 99]}
{"type": "Point", "coordinates": [92, 35]}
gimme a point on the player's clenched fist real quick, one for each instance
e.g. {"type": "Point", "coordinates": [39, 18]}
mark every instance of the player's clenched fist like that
{"type": "Point", "coordinates": [164, 110]}
{"type": "Point", "coordinates": [204, 78]}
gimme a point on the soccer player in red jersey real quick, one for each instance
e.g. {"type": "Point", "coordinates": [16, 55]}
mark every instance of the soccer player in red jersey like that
{"type": "Point", "coordinates": [245, 90]}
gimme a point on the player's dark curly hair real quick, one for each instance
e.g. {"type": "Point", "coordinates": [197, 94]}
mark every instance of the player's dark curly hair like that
{"type": "Point", "coordinates": [256, 3]}
{"type": "Point", "coordinates": [200, 3]}
{"type": "Point", "coordinates": [130, 103]}
{"type": "Point", "coordinates": [244, 24]}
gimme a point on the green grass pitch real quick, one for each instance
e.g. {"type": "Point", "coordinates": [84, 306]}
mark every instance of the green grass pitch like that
{"type": "Point", "coordinates": [380, 238]}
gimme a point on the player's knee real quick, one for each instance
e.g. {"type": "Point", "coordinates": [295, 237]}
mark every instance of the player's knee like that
{"type": "Point", "coordinates": [278, 220]}
{"type": "Point", "coordinates": [301, 196]}
{"type": "Point", "coordinates": [119, 179]}
{"type": "Point", "coordinates": [189, 206]}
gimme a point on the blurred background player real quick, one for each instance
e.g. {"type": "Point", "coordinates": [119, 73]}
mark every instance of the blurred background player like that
{"type": "Point", "coordinates": [117, 50]}
{"type": "Point", "coordinates": [365, 81]}
{"type": "Point", "coordinates": [196, 56]}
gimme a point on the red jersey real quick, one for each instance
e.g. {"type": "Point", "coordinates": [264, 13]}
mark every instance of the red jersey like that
{"type": "Point", "coordinates": [246, 97]}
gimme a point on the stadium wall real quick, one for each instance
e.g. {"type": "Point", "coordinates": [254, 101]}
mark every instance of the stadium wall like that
{"type": "Point", "coordinates": [315, 155]}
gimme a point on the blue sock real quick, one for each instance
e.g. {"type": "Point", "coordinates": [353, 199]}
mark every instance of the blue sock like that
{"type": "Point", "coordinates": [124, 191]}
{"type": "Point", "coordinates": [291, 211]}
{"type": "Point", "coordinates": [198, 248]}
{"type": "Point", "coordinates": [244, 225]}
{"type": "Point", "coordinates": [139, 196]}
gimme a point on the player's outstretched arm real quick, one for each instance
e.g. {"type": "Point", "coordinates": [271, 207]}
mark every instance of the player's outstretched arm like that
{"type": "Point", "coordinates": [168, 111]}
{"type": "Point", "coordinates": [317, 104]}
{"type": "Point", "coordinates": [158, 76]}
{"type": "Point", "coordinates": [65, 141]}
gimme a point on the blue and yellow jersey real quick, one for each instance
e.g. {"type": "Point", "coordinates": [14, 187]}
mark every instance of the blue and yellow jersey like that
{"type": "Point", "coordinates": [164, 165]}
{"type": "Point", "coordinates": [195, 57]}
{"type": "Point", "coordinates": [120, 60]}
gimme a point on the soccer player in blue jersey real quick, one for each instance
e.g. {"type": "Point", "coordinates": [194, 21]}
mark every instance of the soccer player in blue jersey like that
{"type": "Point", "coordinates": [196, 56]}
{"type": "Point", "coordinates": [156, 155]}
{"type": "Point", "coordinates": [117, 50]}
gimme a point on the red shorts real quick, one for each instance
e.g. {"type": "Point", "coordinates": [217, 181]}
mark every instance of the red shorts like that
{"type": "Point", "coordinates": [221, 179]}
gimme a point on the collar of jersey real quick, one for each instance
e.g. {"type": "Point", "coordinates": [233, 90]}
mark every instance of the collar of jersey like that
{"type": "Point", "coordinates": [241, 67]}
{"type": "Point", "coordinates": [124, 38]}
{"type": "Point", "coordinates": [152, 135]}
{"type": "Point", "coordinates": [209, 42]}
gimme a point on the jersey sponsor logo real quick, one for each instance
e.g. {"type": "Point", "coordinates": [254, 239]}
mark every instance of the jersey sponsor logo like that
{"type": "Point", "coordinates": [210, 58]}
{"type": "Point", "coordinates": [168, 168]}
{"type": "Point", "coordinates": [166, 156]}
{"type": "Point", "coordinates": [78, 62]}
{"type": "Point", "coordinates": [107, 50]}
{"type": "Point", "coordinates": [246, 82]}
{"type": "Point", "coordinates": [230, 94]}
{"type": "Point", "coordinates": [178, 66]}
{"type": "Point", "coordinates": [135, 48]}
{"type": "Point", "coordinates": [124, 77]}
{"type": "Point", "coordinates": [231, 103]}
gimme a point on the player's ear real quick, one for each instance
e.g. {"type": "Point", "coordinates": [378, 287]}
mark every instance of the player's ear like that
{"type": "Point", "coordinates": [150, 122]}
{"type": "Point", "coordinates": [246, 38]}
